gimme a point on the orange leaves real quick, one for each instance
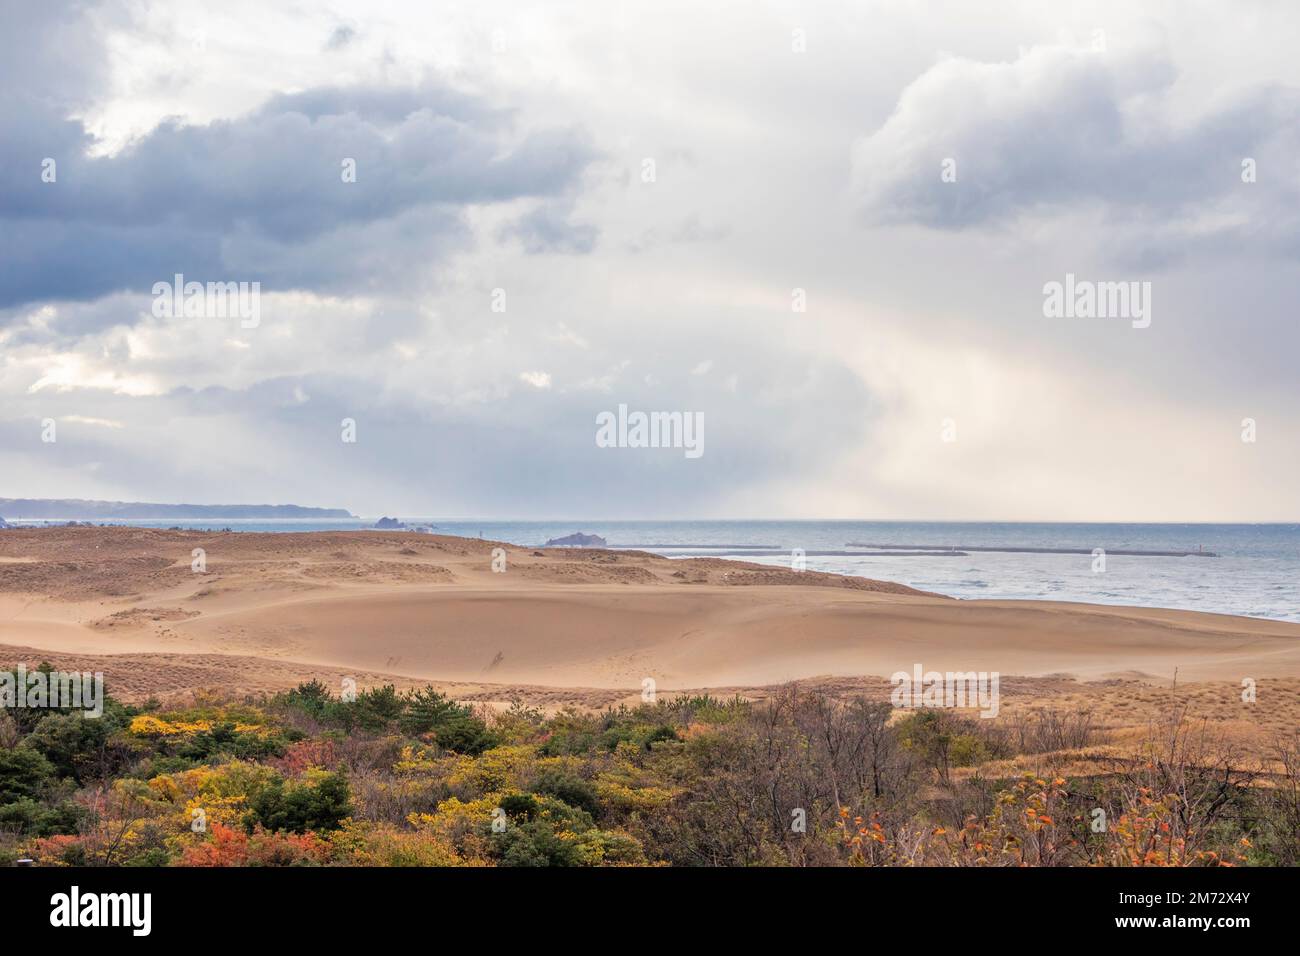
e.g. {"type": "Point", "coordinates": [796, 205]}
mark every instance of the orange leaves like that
{"type": "Point", "coordinates": [230, 847]}
{"type": "Point", "coordinates": [304, 755]}
{"type": "Point", "coordinates": [227, 847]}
{"type": "Point", "coordinates": [869, 833]}
{"type": "Point", "coordinates": [60, 850]}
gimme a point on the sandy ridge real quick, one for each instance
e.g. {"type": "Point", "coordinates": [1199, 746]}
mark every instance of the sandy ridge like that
{"type": "Point", "coordinates": [275, 608]}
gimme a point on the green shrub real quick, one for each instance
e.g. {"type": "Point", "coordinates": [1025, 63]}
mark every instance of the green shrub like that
{"type": "Point", "coordinates": [453, 725]}
{"type": "Point", "coordinates": [523, 805]}
{"type": "Point", "coordinates": [26, 817]}
{"type": "Point", "coordinates": [967, 750]}
{"type": "Point", "coordinates": [83, 748]}
{"type": "Point", "coordinates": [321, 802]}
{"type": "Point", "coordinates": [223, 738]}
{"type": "Point", "coordinates": [24, 772]}
{"type": "Point", "coordinates": [573, 790]}
{"type": "Point", "coordinates": [312, 698]}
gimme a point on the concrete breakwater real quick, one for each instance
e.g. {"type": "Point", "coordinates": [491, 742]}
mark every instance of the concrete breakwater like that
{"type": "Point", "coordinates": [943, 549]}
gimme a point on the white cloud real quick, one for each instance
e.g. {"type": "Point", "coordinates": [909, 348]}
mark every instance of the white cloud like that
{"type": "Point", "coordinates": [69, 371]}
{"type": "Point", "coordinates": [536, 379]}
{"type": "Point", "coordinates": [96, 422]}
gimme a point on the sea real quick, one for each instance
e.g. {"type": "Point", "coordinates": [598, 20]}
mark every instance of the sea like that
{"type": "Point", "coordinates": [1255, 570]}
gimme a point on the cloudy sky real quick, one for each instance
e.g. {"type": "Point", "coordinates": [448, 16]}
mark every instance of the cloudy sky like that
{"type": "Point", "coordinates": [649, 184]}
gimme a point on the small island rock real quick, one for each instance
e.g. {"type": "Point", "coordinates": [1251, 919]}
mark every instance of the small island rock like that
{"type": "Point", "coordinates": [576, 540]}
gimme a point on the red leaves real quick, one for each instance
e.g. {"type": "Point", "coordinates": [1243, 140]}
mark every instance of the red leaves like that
{"type": "Point", "coordinates": [230, 847]}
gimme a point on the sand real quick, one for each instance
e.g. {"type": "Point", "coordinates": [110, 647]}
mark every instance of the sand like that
{"type": "Point", "coordinates": [557, 626]}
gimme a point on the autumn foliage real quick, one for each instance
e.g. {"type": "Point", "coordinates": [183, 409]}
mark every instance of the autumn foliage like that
{"type": "Point", "coordinates": [391, 779]}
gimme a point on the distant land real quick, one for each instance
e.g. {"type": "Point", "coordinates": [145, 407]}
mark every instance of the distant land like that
{"type": "Point", "coordinates": [68, 509]}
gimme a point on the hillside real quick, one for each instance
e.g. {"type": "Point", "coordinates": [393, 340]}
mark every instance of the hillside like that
{"type": "Point", "coordinates": [80, 509]}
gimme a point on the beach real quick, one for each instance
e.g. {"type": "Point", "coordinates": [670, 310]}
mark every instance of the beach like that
{"type": "Point", "coordinates": [267, 611]}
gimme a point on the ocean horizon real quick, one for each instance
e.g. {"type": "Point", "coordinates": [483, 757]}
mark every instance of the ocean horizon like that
{"type": "Point", "coordinates": [1255, 571]}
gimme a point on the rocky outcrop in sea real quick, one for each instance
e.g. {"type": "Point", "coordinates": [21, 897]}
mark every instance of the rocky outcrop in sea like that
{"type": "Point", "coordinates": [577, 540]}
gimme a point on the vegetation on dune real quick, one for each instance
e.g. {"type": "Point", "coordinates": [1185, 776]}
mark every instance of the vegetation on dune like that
{"type": "Point", "coordinates": [306, 778]}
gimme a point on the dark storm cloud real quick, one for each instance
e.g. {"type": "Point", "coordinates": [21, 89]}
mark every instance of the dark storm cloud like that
{"type": "Point", "coordinates": [263, 197]}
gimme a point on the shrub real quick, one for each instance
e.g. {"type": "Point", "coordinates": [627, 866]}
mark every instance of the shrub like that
{"type": "Point", "coordinates": [573, 790]}
{"type": "Point", "coordinates": [27, 817]}
{"type": "Point", "coordinates": [321, 802]}
{"type": "Point", "coordinates": [229, 847]}
{"type": "Point", "coordinates": [378, 708]}
{"type": "Point", "coordinates": [80, 747]}
{"type": "Point", "coordinates": [226, 737]}
{"type": "Point", "coordinates": [571, 733]}
{"type": "Point", "coordinates": [520, 724]}
{"type": "Point", "coordinates": [23, 774]}
{"type": "Point", "coordinates": [366, 844]}
{"type": "Point", "coordinates": [312, 698]}
{"type": "Point", "coordinates": [518, 805]}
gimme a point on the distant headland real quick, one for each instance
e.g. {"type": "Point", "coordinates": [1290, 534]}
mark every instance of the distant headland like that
{"type": "Point", "coordinates": [63, 509]}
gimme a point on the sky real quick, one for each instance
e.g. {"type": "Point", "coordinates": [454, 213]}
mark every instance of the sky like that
{"type": "Point", "coordinates": [823, 230]}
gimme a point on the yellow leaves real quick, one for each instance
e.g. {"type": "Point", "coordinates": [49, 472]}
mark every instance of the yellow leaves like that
{"type": "Point", "coordinates": [455, 814]}
{"type": "Point", "coordinates": [234, 779]}
{"type": "Point", "coordinates": [166, 788]}
{"type": "Point", "coordinates": [422, 761]}
{"type": "Point", "coordinates": [147, 725]}
{"type": "Point", "coordinates": [616, 794]}
{"type": "Point", "coordinates": [375, 844]}
{"type": "Point", "coordinates": [496, 769]}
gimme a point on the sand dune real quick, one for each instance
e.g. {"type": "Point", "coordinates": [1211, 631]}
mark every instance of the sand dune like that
{"type": "Point", "coordinates": [271, 609]}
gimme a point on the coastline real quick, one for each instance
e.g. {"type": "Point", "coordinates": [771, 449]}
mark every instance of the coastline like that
{"type": "Point", "coordinates": [406, 607]}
